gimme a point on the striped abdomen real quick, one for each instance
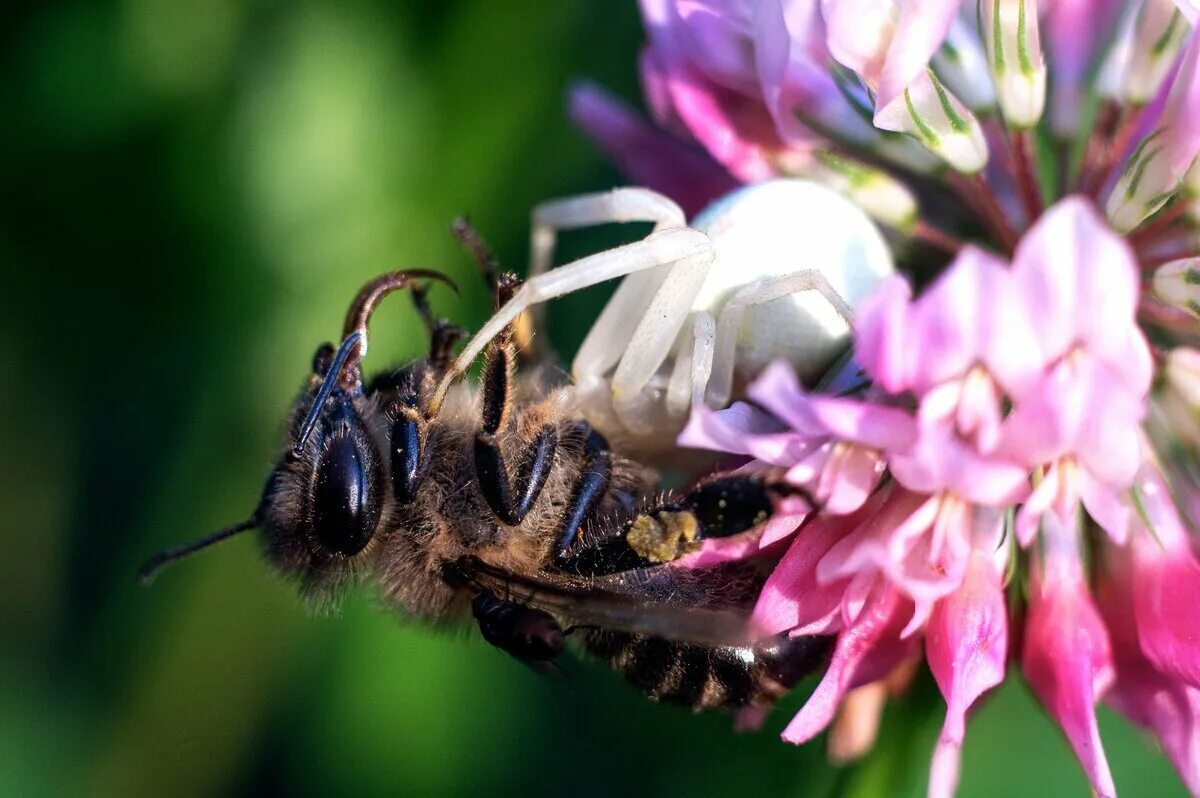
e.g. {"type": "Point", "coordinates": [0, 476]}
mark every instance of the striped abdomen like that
{"type": "Point", "coordinates": [707, 677]}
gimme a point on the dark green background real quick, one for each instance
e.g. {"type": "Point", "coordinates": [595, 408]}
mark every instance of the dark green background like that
{"type": "Point", "coordinates": [191, 194]}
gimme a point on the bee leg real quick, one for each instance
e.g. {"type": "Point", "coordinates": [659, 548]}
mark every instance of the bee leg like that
{"type": "Point", "coordinates": [502, 286]}
{"type": "Point", "coordinates": [594, 478]}
{"type": "Point", "coordinates": [717, 508]}
{"type": "Point", "coordinates": [491, 470]}
{"type": "Point", "coordinates": [527, 633]}
{"type": "Point", "coordinates": [442, 334]}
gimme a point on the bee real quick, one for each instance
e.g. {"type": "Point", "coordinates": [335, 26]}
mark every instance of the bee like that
{"type": "Point", "coordinates": [498, 504]}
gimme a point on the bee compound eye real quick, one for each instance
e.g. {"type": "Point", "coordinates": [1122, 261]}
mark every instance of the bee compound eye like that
{"type": "Point", "coordinates": [345, 501]}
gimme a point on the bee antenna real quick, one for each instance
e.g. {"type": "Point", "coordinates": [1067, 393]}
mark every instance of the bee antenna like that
{"type": "Point", "coordinates": [344, 369]}
{"type": "Point", "coordinates": [151, 566]}
{"type": "Point", "coordinates": [373, 292]}
{"type": "Point", "coordinates": [347, 348]}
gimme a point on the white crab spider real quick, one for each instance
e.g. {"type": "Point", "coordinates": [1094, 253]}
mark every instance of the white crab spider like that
{"type": "Point", "coordinates": [771, 270]}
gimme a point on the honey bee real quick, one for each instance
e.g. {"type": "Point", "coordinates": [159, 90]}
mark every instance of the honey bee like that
{"type": "Point", "coordinates": [496, 503]}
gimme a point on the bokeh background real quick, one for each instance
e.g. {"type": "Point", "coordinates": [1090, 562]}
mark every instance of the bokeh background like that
{"type": "Point", "coordinates": [192, 191]}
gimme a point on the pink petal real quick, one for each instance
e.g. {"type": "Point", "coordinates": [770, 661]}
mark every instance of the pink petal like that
{"type": "Point", "coordinates": [1075, 32]}
{"type": "Point", "coordinates": [791, 596]}
{"type": "Point", "coordinates": [918, 543]}
{"type": "Point", "coordinates": [796, 83]}
{"type": "Point", "coordinates": [1181, 115]}
{"type": "Point", "coordinates": [858, 33]}
{"type": "Point", "coordinates": [1079, 407]}
{"type": "Point", "coordinates": [784, 448]}
{"type": "Point", "coordinates": [717, 35]}
{"type": "Point", "coordinates": [720, 431]}
{"type": "Point", "coordinates": [1167, 606]}
{"type": "Point", "coordinates": [1168, 708]}
{"type": "Point", "coordinates": [778, 389]}
{"type": "Point", "coordinates": [849, 479]}
{"type": "Point", "coordinates": [881, 539]}
{"type": "Point", "coordinates": [646, 155]}
{"type": "Point", "coordinates": [1110, 508]}
{"type": "Point", "coordinates": [1029, 517]}
{"type": "Point", "coordinates": [941, 461]}
{"type": "Point", "coordinates": [718, 551]}
{"type": "Point", "coordinates": [970, 315]}
{"type": "Point", "coordinates": [978, 414]}
{"type": "Point", "coordinates": [872, 425]}
{"type": "Point", "coordinates": [1067, 657]}
{"type": "Point", "coordinates": [865, 652]}
{"type": "Point", "coordinates": [1079, 283]}
{"type": "Point", "coordinates": [779, 527]}
{"type": "Point", "coordinates": [1110, 444]}
{"type": "Point", "coordinates": [944, 769]}
{"type": "Point", "coordinates": [882, 342]}
{"type": "Point", "coordinates": [920, 31]}
{"type": "Point", "coordinates": [1045, 423]}
{"type": "Point", "coordinates": [966, 642]}
{"type": "Point", "coordinates": [734, 127]}
{"type": "Point", "coordinates": [1150, 698]}
{"type": "Point", "coordinates": [737, 131]}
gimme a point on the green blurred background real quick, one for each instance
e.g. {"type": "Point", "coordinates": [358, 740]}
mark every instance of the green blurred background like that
{"type": "Point", "coordinates": [192, 191]}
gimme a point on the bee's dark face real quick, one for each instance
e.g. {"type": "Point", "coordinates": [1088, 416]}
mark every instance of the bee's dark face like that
{"type": "Point", "coordinates": [323, 502]}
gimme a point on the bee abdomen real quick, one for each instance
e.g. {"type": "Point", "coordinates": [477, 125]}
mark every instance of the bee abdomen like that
{"type": "Point", "coordinates": [709, 677]}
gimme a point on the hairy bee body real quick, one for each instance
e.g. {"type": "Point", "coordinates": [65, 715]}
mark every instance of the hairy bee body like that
{"type": "Point", "coordinates": [702, 677]}
{"type": "Point", "coordinates": [500, 504]}
{"type": "Point", "coordinates": [449, 518]}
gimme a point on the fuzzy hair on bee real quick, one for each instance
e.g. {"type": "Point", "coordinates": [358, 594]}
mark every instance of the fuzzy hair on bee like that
{"type": "Point", "coordinates": [499, 503]}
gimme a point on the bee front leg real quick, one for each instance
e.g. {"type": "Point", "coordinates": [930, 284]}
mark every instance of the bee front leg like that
{"type": "Point", "coordinates": [510, 502]}
{"type": "Point", "coordinates": [716, 508]}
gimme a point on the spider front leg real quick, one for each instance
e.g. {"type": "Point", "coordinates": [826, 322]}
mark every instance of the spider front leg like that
{"type": "Point", "coordinates": [586, 210]}
{"type": "Point", "coordinates": [509, 498]}
{"type": "Point", "coordinates": [684, 251]}
{"type": "Point", "coordinates": [732, 316]}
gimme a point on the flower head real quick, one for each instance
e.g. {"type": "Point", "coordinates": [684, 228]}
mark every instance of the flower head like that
{"type": "Point", "coordinates": [1031, 390]}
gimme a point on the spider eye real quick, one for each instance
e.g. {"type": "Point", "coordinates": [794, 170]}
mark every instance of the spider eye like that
{"type": "Point", "coordinates": [346, 501]}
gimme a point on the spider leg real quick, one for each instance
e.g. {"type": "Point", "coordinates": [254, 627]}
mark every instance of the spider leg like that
{"type": "Point", "coordinates": [586, 210]}
{"type": "Point", "coordinates": [720, 385]}
{"type": "Point", "coordinates": [653, 339]}
{"type": "Point", "coordinates": [614, 327]}
{"type": "Point", "coordinates": [685, 249]}
{"type": "Point", "coordinates": [693, 366]}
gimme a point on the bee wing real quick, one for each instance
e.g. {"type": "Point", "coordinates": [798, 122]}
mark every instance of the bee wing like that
{"type": "Point", "coordinates": [658, 601]}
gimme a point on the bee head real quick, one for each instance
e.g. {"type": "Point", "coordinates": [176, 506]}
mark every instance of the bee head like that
{"type": "Point", "coordinates": [322, 503]}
